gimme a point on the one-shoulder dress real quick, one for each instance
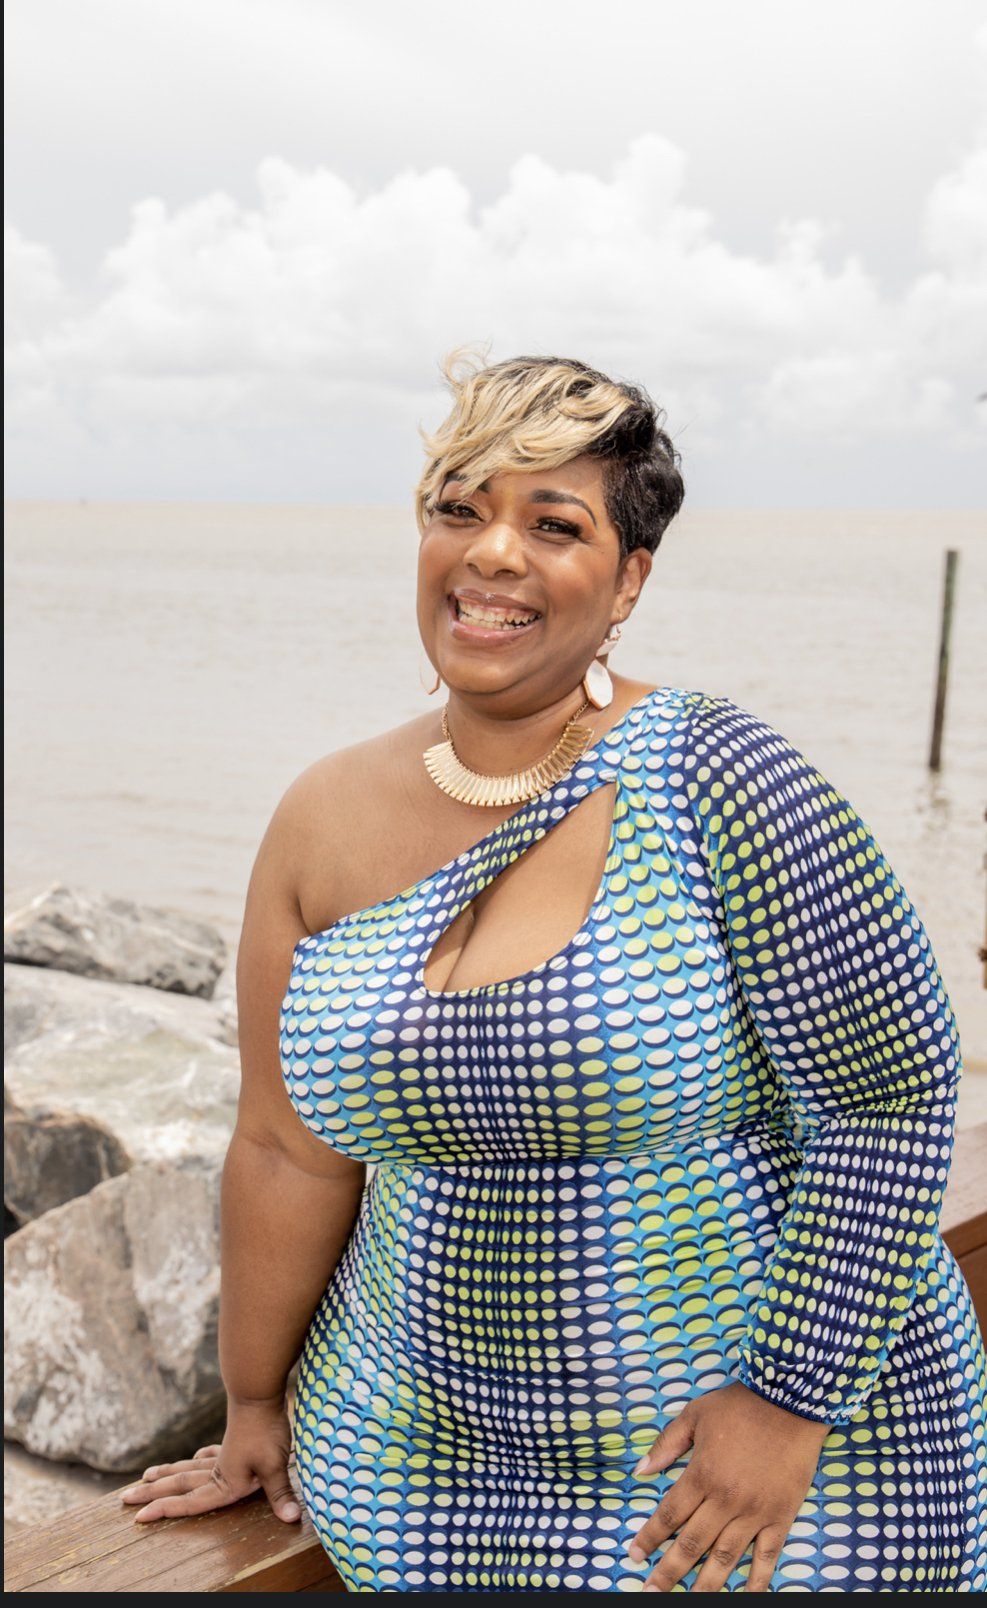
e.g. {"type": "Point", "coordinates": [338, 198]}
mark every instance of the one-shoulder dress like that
{"type": "Point", "coordinates": [706, 1141]}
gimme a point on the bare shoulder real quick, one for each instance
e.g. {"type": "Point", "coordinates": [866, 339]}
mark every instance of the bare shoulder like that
{"type": "Point", "coordinates": [335, 790]}
{"type": "Point", "coordinates": [346, 809]}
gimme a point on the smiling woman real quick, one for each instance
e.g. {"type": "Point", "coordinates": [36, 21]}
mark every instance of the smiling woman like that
{"type": "Point", "coordinates": [657, 1072]}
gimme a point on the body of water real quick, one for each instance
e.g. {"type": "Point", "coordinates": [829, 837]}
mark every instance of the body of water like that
{"type": "Point", "coordinates": [172, 667]}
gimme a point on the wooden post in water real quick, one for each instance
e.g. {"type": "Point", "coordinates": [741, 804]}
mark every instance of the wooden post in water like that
{"type": "Point", "coordinates": [945, 626]}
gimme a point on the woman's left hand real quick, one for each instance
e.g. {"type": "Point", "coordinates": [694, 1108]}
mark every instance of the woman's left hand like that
{"type": "Point", "coordinates": [751, 1466]}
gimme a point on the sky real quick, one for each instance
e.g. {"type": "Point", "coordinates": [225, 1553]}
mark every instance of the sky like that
{"type": "Point", "coordinates": [242, 234]}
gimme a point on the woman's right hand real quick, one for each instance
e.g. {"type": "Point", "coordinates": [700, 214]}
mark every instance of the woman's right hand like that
{"type": "Point", "coordinates": [254, 1454]}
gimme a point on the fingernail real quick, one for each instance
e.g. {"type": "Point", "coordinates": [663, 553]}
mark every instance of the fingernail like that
{"type": "Point", "coordinates": [151, 1473]}
{"type": "Point", "coordinates": [291, 1510]}
{"type": "Point", "coordinates": [128, 1492]}
{"type": "Point", "coordinates": [642, 1467]}
{"type": "Point", "coordinates": [634, 1553]}
{"type": "Point", "coordinates": [648, 1586]}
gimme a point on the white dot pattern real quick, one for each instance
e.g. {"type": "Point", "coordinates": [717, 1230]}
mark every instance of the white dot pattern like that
{"type": "Point", "coordinates": [706, 1141]}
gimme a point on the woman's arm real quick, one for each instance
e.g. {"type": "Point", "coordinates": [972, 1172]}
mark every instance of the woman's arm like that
{"type": "Point", "coordinates": [289, 1202]}
{"type": "Point", "coordinates": [846, 1005]}
{"type": "Point", "coordinates": [842, 986]}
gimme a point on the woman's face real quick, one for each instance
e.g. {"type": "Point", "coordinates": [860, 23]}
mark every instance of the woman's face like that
{"type": "Point", "coordinates": [534, 545]}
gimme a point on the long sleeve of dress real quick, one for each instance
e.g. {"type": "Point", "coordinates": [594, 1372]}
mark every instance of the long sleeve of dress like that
{"type": "Point", "coordinates": [844, 993]}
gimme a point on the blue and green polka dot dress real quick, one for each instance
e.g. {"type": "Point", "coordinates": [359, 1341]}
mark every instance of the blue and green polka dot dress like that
{"type": "Point", "coordinates": [707, 1141]}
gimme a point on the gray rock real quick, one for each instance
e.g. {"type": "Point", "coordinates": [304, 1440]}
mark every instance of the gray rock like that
{"type": "Point", "coordinates": [224, 999]}
{"type": "Point", "coordinates": [36, 1491]}
{"type": "Point", "coordinates": [229, 1025]}
{"type": "Point", "coordinates": [110, 1321]}
{"type": "Point", "coordinates": [116, 940]}
{"type": "Point", "coordinates": [151, 1069]}
{"type": "Point", "coordinates": [49, 1158]}
{"type": "Point", "coordinates": [23, 1017]}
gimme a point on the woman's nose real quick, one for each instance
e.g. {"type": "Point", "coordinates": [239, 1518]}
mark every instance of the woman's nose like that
{"type": "Point", "coordinates": [500, 542]}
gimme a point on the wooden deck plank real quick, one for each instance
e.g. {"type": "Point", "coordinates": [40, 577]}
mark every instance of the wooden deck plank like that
{"type": "Point", "coordinates": [973, 1266]}
{"type": "Point", "coordinates": [964, 1211]}
{"type": "Point", "coordinates": [101, 1547]}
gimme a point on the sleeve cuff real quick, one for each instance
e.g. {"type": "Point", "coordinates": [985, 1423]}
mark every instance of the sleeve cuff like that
{"type": "Point", "coordinates": [793, 1404]}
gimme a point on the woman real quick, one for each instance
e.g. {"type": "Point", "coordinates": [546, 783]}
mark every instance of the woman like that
{"type": "Point", "coordinates": [658, 1073]}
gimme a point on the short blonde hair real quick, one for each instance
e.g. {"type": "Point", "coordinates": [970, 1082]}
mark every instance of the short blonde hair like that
{"type": "Point", "coordinates": [539, 412]}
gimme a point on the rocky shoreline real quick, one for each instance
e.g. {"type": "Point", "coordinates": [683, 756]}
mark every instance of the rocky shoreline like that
{"type": "Point", "coordinates": [120, 1083]}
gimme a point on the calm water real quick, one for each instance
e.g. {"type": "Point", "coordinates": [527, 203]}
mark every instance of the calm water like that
{"type": "Point", "coordinates": [172, 667]}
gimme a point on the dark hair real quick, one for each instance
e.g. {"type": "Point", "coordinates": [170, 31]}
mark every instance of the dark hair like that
{"type": "Point", "coordinates": [642, 481]}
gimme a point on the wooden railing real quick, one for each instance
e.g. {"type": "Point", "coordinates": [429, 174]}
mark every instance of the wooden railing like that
{"type": "Point", "coordinates": [964, 1213]}
{"type": "Point", "coordinates": [245, 1548]}
{"type": "Point", "coordinates": [100, 1547]}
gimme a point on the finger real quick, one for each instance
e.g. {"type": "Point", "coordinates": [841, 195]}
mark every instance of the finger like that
{"type": "Point", "coordinates": [279, 1493]}
{"type": "Point", "coordinates": [675, 1508]}
{"type": "Point", "coordinates": [215, 1491]}
{"type": "Point", "coordinates": [670, 1443]}
{"type": "Point", "coordinates": [724, 1556]}
{"type": "Point", "coordinates": [767, 1547]}
{"type": "Point", "coordinates": [160, 1471]}
{"type": "Point", "coordinates": [171, 1485]}
{"type": "Point", "coordinates": [690, 1545]}
{"type": "Point", "coordinates": [207, 1451]}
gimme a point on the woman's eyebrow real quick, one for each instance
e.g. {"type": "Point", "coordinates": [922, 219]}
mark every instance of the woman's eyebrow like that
{"type": "Point", "coordinates": [544, 496]}
{"type": "Point", "coordinates": [562, 497]}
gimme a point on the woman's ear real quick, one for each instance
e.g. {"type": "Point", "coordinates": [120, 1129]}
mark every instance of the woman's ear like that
{"type": "Point", "coordinates": [632, 572]}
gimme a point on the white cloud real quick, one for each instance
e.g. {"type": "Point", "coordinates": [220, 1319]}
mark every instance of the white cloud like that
{"type": "Point", "coordinates": [33, 293]}
{"type": "Point", "coordinates": [909, 365]}
{"type": "Point", "coordinates": [217, 318]}
{"type": "Point", "coordinates": [34, 302]}
{"type": "Point", "coordinates": [956, 218]}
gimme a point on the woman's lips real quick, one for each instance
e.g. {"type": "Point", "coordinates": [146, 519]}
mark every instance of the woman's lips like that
{"type": "Point", "coordinates": [467, 631]}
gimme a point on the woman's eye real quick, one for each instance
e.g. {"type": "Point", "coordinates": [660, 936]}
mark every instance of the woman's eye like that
{"type": "Point", "coordinates": [456, 510]}
{"type": "Point", "coordinates": [560, 527]}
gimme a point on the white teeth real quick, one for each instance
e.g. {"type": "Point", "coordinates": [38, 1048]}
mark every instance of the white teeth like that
{"type": "Point", "coordinates": [495, 619]}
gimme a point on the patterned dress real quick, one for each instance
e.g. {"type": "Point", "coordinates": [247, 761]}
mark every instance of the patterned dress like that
{"type": "Point", "coordinates": [707, 1141]}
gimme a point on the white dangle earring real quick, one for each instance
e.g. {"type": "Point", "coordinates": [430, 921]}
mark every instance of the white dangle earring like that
{"type": "Point", "coordinates": [426, 670]}
{"type": "Point", "coordinates": [596, 682]}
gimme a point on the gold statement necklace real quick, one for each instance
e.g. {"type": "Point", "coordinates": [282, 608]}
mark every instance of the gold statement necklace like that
{"type": "Point", "coordinates": [473, 787]}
